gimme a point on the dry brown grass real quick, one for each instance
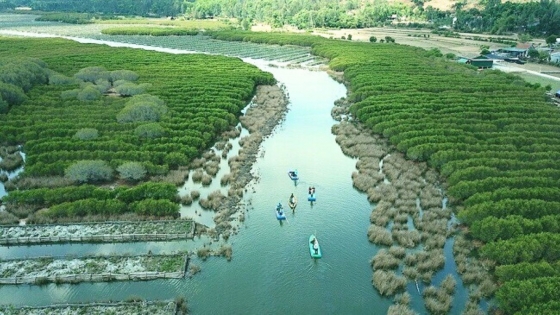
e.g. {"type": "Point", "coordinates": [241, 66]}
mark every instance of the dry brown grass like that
{"type": "Point", "coordinates": [379, 235]}
{"type": "Point", "coordinates": [382, 192]}
{"type": "Point", "coordinates": [37, 182]}
{"type": "Point", "coordinates": [437, 301]}
{"type": "Point", "coordinates": [225, 180]}
{"type": "Point", "coordinates": [186, 200]}
{"type": "Point", "coordinates": [206, 180]}
{"type": "Point", "coordinates": [400, 309]}
{"type": "Point", "coordinates": [448, 284]}
{"type": "Point", "coordinates": [194, 269]}
{"type": "Point", "coordinates": [197, 163]}
{"type": "Point", "coordinates": [410, 259]}
{"type": "Point", "coordinates": [408, 239]}
{"type": "Point", "coordinates": [212, 167]}
{"type": "Point", "coordinates": [197, 175]}
{"type": "Point", "coordinates": [7, 218]}
{"type": "Point", "coordinates": [195, 194]}
{"type": "Point", "coordinates": [388, 283]}
{"type": "Point", "coordinates": [411, 273]}
{"type": "Point", "coordinates": [225, 251]}
{"type": "Point", "coordinates": [214, 200]}
{"type": "Point", "coordinates": [397, 252]}
{"type": "Point", "coordinates": [472, 308]}
{"type": "Point", "coordinates": [203, 253]}
{"type": "Point", "coordinates": [363, 182]}
{"type": "Point", "coordinates": [175, 177]}
{"type": "Point", "coordinates": [384, 260]}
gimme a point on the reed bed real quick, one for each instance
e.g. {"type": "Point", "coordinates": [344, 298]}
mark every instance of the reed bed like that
{"type": "Point", "coordinates": [379, 235]}
{"type": "Point", "coordinates": [472, 308]}
{"type": "Point", "coordinates": [363, 182]}
{"type": "Point", "coordinates": [397, 252]}
{"type": "Point", "coordinates": [408, 239]}
{"type": "Point", "coordinates": [384, 260]}
{"type": "Point", "coordinates": [388, 283]}
{"type": "Point", "coordinates": [206, 180]}
{"type": "Point", "coordinates": [197, 175]}
{"type": "Point", "coordinates": [437, 300]}
{"type": "Point", "coordinates": [195, 194]}
{"type": "Point", "coordinates": [213, 202]}
{"type": "Point", "coordinates": [175, 177]}
{"type": "Point", "coordinates": [400, 310]}
{"type": "Point", "coordinates": [212, 167]}
{"type": "Point", "coordinates": [226, 179]}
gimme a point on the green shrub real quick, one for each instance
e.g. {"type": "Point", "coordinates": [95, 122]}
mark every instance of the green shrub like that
{"type": "Point", "coordinates": [89, 171]}
{"type": "Point", "coordinates": [143, 107]}
{"type": "Point", "coordinates": [92, 74]}
{"type": "Point", "coordinates": [126, 75]}
{"type": "Point", "coordinates": [86, 134]}
{"type": "Point", "coordinates": [89, 93]}
{"type": "Point", "coordinates": [150, 130]}
{"type": "Point", "coordinates": [131, 171]}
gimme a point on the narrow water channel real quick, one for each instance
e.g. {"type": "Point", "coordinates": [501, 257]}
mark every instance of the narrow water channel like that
{"type": "Point", "coordinates": [271, 271]}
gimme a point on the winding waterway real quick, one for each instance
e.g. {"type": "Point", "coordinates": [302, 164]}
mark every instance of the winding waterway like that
{"type": "Point", "coordinates": [271, 271]}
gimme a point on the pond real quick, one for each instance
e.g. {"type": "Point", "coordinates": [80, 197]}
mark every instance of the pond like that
{"type": "Point", "coordinates": [271, 271]}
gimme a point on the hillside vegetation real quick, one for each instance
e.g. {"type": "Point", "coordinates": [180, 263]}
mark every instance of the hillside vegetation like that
{"type": "Point", "coordinates": [494, 138]}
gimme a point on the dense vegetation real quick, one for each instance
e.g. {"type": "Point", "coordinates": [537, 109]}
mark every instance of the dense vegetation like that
{"type": "Point", "coordinates": [493, 137]}
{"type": "Point", "coordinates": [83, 112]}
{"type": "Point", "coordinates": [535, 17]}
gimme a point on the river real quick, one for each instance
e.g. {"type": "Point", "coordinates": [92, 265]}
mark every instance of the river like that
{"type": "Point", "coordinates": [271, 271]}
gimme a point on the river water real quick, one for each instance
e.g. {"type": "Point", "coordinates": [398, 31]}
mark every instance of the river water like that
{"type": "Point", "coordinates": [271, 271]}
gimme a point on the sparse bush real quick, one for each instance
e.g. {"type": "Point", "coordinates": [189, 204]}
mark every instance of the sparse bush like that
{"type": "Point", "coordinates": [129, 89]}
{"type": "Point", "coordinates": [69, 94]}
{"type": "Point", "coordinates": [206, 180]}
{"type": "Point", "coordinates": [143, 107]}
{"type": "Point", "coordinates": [86, 134]}
{"type": "Point", "coordinates": [197, 176]}
{"type": "Point", "coordinates": [400, 309]}
{"type": "Point", "coordinates": [388, 283]}
{"type": "Point", "coordinates": [186, 200]}
{"type": "Point", "coordinates": [397, 252]}
{"type": "Point", "coordinates": [89, 93]}
{"type": "Point", "coordinates": [379, 235]}
{"type": "Point", "coordinates": [92, 74]}
{"type": "Point", "coordinates": [203, 253]}
{"type": "Point", "coordinates": [403, 298]}
{"type": "Point", "coordinates": [448, 284]}
{"type": "Point", "coordinates": [225, 179]}
{"type": "Point", "coordinates": [11, 161]}
{"type": "Point", "coordinates": [384, 260]}
{"type": "Point", "coordinates": [7, 218]}
{"type": "Point", "coordinates": [372, 39]}
{"type": "Point", "coordinates": [149, 130]}
{"type": "Point", "coordinates": [195, 194]}
{"type": "Point", "coordinates": [60, 79]}
{"type": "Point", "coordinates": [89, 171]}
{"type": "Point", "coordinates": [126, 75]}
{"type": "Point", "coordinates": [131, 171]}
{"type": "Point", "coordinates": [226, 251]}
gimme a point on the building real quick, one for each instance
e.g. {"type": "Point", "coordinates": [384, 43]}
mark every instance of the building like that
{"type": "Point", "coordinates": [481, 62]}
{"type": "Point", "coordinates": [514, 51]}
{"type": "Point", "coordinates": [555, 57]}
